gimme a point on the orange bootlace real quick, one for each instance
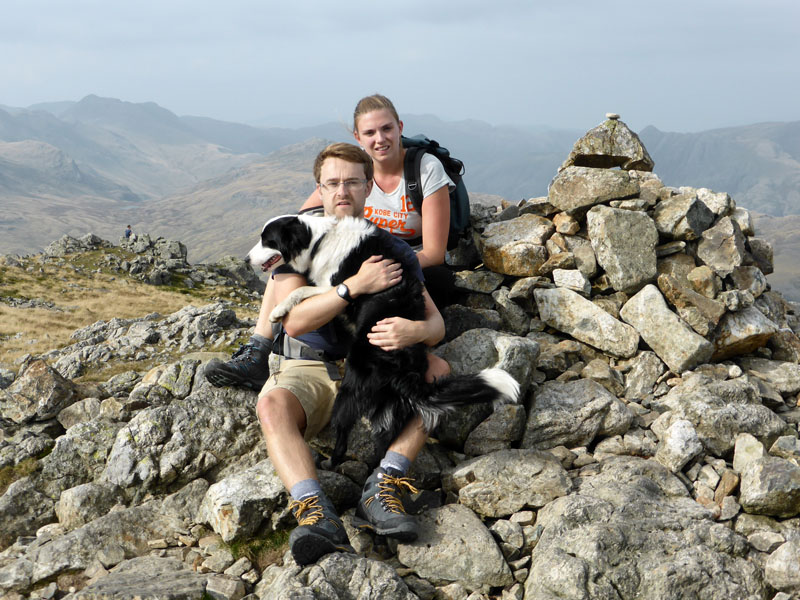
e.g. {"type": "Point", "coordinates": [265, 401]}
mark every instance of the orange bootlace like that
{"type": "Point", "coordinates": [390, 496]}
{"type": "Point", "coordinates": [308, 511]}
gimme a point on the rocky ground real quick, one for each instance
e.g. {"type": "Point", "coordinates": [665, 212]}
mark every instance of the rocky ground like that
{"type": "Point", "coordinates": [655, 454]}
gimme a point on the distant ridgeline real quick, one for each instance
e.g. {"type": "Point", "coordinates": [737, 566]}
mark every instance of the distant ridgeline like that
{"type": "Point", "coordinates": [656, 451]}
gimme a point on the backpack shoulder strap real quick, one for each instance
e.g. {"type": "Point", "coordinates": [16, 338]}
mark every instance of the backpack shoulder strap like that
{"type": "Point", "coordinates": [411, 171]}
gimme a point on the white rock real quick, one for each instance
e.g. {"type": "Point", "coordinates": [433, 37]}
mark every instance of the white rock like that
{"type": "Point", "coordinates": [746, 450]}
{"type": "Point", "coordinates": [680, 445]}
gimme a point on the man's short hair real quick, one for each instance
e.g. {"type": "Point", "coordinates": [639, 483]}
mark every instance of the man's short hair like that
{"type": "Point", "coordinates": [346, 152]}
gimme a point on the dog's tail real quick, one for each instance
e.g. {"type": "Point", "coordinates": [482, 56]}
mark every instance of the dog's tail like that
{"type": "Point", "coordinates": [490, 385]}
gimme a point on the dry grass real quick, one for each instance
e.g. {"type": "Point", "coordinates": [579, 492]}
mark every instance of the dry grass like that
{"type": "Point", "coordinates": [83, 296]}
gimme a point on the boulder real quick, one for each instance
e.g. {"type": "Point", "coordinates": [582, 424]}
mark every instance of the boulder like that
{"type": "Point", "coordinates": [236, 506]}
{"type": "Point", "coordinates": [682, 217]}
{"type": "Point", "coordinates": [678, 265]}
{"type": "Point", "coordinates": [722, 247]}
{"type": "Point", "coordinates": [781, 570]}
{"type": "Point", "coordinates": [720, 203]}
{"type": "Point", "coordinates": [148, 577]}
{"type": "Point", "coordinates": [750, 279]}
{"type": "Point", "coordinates": [176, 443]}
{"type": "Point", "coordinates": [336, 575]}
{"type": "Point", "coordinates": [701, 312]}
{"type": "Point", "coordinates": [572, 279]}
{"type": "Point", "coordinates": [483, 281]}
{"type": "Point", "coordinates": [129, 529]}
{"type": "Point", "coordinates": [458, 319]}
{"type": "Point", "coordinates": [40, 393]}
{"type": "Point", "coordinates": [23, 509]}
{"type": "Point", "coordinates": [576, 189]}
{"type": "Point", "coordinates": [783, 376]}
{"type": "Point", "coordinates": [507, 481]}
{"type": "Point", "coordinates": [771, 486]}
{"type": "Point", "coordinates": [661, 329]}
{"type": "Point", "coordinates": [704, 281]}
{"type": "Point", "coordinates": [746, 449]}
{"type": "Point", "coordinates": [600, 371]}
{"type": "Point", "coordinates": [83, 503]}
{"type": "Point", "coordinates": [741, 332]}
{"type": "Point", "coordinates": [498, 431]}
{"type": "Point", "coordinates": [720, 410]}
{"type": "Point", "coordinates": [572, 414]}
{"type": "Point", "coordinates": [576, 316]}
{"type": "Point", "coordinates": [624, 242]}
{"type": "Point", "coordinates": [516, 247]}
{"type": "Point", "coordinates": [679, 445]}
{"type": "Point", "coordinates": [78, 456]}
{"type": "Point", "coordinates": [608, 540]}
{"type": "Point", "coordinates": [515, 320]}
{"type": "Point", "coordinates": [479, 349]}
{"type": "Point", "coordinates": [239, 272]}
{"type": "Point", "coordinates": [455, 546]}
{"type": "Point", "coordinates": [762, 253]}
{"type": "Point", "coordinates": [645, 370]}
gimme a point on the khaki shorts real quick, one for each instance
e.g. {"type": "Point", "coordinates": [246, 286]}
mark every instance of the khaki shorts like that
{"type": "Point", "coordinates": [309, 382]}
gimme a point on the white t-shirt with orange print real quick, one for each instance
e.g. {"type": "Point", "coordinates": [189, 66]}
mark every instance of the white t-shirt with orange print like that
{"type": "Point", "coordinates": [394, 211]}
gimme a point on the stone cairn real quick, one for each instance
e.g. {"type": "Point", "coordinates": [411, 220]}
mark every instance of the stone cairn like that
{"type": "Point", "coordinates": [655, 453]}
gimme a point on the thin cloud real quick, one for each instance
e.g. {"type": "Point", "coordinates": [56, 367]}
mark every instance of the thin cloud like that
{"type": "Point", "coordinates": [683, 65]}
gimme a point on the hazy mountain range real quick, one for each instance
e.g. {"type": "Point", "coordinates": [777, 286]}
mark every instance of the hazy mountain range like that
{"type": "Point", "coordinates": [100, 163]}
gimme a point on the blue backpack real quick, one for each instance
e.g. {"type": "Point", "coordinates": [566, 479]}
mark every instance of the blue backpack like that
{"type": "Point", "coordinates": [459, 198]}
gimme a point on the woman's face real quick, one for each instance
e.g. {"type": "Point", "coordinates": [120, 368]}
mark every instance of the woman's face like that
{"type": "Point", "coordinates": [378, 132]}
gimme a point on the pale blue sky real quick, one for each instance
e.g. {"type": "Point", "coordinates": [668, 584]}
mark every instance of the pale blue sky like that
{"type": "Point", "coordinates": [678, 65]}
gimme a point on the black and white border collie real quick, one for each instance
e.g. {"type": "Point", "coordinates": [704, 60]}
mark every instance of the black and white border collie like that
{"type": "Point", "coordinates": [387, 387]}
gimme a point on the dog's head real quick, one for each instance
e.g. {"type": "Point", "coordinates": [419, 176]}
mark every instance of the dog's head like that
{"type": "Point", "coordinates": [287, 239]}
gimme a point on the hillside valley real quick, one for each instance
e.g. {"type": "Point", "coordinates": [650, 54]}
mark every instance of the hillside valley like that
{"type": "Point", "coordinates": [100, 163]}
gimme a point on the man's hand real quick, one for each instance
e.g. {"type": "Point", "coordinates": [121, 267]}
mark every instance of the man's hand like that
{"type": "Point", "coordinates": [375, 275]}
{"type": "Point", "coordinates": [394, 333]}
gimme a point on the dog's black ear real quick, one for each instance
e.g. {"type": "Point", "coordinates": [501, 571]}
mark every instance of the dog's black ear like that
{"type": "Point", "coordinates": [288, 235]}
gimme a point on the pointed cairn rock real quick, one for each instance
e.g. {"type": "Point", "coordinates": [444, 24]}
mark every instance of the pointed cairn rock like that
{"type": "Point", "coordinates": [580, 318]}
{"type": "Point", "coordinates": [670, 338]}
{"type": "Point", "coordinates": [610, 144]}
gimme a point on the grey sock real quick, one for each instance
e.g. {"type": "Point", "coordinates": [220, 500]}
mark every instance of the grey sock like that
{"type": "Point", "coordinates": [396, 461]}
{"type": "Point", "coordinates": [305, 488]}
{"type": "Point", "coordinates": [262, 342]}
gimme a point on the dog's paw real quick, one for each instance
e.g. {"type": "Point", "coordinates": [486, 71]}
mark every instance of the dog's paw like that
{"type": "Point", "coordinates": [293, 299]}
{"type": "Point", "coordinates": [281, 310]}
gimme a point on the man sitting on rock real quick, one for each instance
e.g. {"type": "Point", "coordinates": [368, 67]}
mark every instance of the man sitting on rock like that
{"type": "Point", "coordinates": [296, 402]}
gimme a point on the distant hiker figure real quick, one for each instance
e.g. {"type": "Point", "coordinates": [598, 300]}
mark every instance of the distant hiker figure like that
{"type": "Point", "coordinates": [128, 233]}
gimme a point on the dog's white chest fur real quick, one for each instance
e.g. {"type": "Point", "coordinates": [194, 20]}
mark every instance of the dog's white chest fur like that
{"type": "Point", "coordinates": [337, 239]}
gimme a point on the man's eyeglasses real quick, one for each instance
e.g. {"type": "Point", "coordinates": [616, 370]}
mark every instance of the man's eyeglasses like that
{"type": "Point", "coordinates": [350, 185]}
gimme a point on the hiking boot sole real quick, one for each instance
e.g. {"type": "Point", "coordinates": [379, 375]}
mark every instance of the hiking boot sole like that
{"type": "Point", "coordinates": [222, 379]}
{"type": "Point", "coordinates": [405, 532]}
{"type": "Point", "coordinates": [311, 547]}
